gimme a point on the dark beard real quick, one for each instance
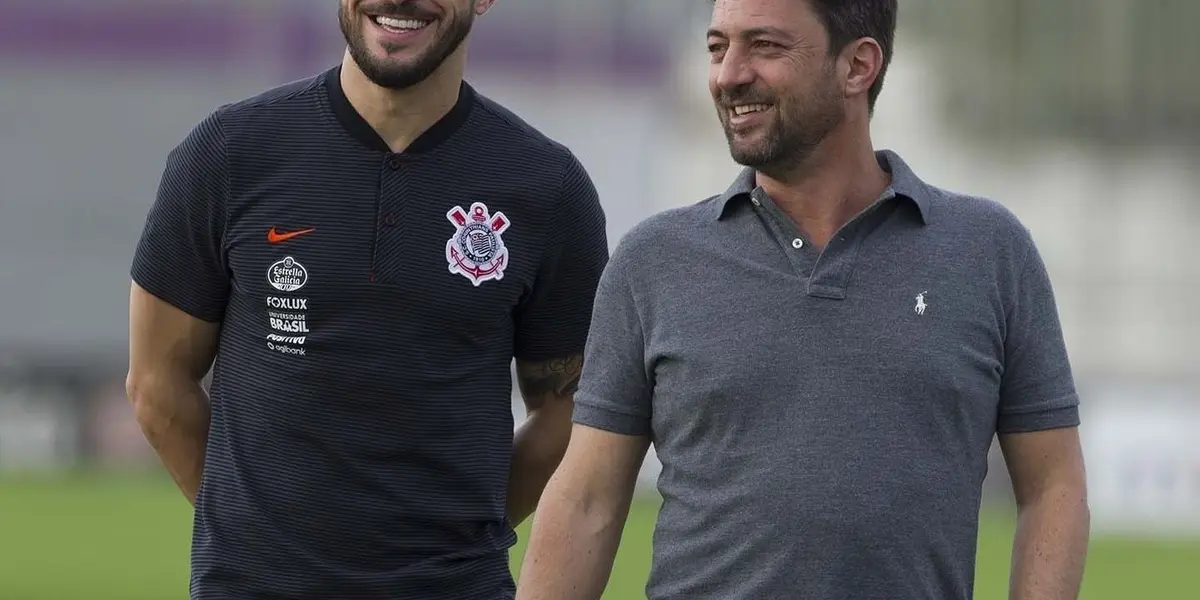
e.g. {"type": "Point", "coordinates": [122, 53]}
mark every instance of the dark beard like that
{"type": "Point", "coordinates": [388, 74]}
{"type": "Point", "coordinates": [792, 136]}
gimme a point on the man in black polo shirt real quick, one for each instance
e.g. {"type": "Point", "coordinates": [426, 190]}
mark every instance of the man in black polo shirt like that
{"type": "Point", "coordinates": [364, 253]}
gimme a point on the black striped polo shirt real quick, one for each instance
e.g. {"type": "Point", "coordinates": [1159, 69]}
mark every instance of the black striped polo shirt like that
{"type": "Point", "coordinates": [371, 304]}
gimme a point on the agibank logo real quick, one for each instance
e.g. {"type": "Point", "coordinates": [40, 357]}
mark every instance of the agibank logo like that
{"type": "Point", "coordinates": [287, 275]}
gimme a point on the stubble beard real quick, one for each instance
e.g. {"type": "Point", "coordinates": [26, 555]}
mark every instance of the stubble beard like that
{"type": "Point", "coordinates": [797, 129]}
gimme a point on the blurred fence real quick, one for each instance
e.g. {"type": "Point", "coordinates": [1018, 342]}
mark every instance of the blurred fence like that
{"type": "Point", "coordinates": [1076, 115]}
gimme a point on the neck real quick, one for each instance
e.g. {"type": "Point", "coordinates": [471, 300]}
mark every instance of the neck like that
{"type": "Point", "coordinates": [401, 116]}
{"type": "Point", "coordinates": [830, 187]}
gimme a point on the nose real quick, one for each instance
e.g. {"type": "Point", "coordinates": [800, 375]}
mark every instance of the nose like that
{"type": "Point", "coordinates": [734, 70]}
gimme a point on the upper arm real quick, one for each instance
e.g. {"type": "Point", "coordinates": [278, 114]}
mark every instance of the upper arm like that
{"type": "Point", "coordinates": [612, 429]}
{"type": "Point", "coordinates": [180, 256]}
{"type": "Point", "coordinates": [615, 388]}
{"type": "Point", "coordinates": [1042, 461]}
{"type": "Point", "coordinates": [1037, 389]}
{"type": "Point", "coordinates": [544, 381]}
{"type": "Point", "coordinates": [165, 341]}
{"type": "Point", "coordinates": [552, 323]}
{"type": "Point", "coordinates": [180, 282]}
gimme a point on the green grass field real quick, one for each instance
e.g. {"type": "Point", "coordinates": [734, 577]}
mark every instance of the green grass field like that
{"type": "Point", "coordinates": [102, 538]}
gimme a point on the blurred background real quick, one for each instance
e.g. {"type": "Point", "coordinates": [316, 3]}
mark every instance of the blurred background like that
{"type": "Point", "coordinates": [1083, 117]}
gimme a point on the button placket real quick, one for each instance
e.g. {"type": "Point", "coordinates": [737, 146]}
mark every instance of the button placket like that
{"type": "Point", "coordinates": [838, 259]}
{"type": "Point", "coordinates": [784, 232]}
{"type": "Point", "coordinates": [389, 216]}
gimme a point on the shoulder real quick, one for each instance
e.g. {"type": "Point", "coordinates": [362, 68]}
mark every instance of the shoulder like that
{"type": "Point", "coordinates": [652, 243]}
{"type": "Point", "coordinates": [212, 134]}
{"type": "Point", "coordinates": [958, 222]}
{"type": "Point", "coordinates": [516, 156]}
{"type": "Point", "coordinates": [978, 220]}
{"type": "Point", "coordinates": [533, 153]}
{"type": "Point", "coordinates": [300, 94]}
{"type": "Point", "coordinates": [666, 226]}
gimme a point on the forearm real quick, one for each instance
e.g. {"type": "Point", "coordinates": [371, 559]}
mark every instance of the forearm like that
{"type": "Point", "coordinates": [537, 451]}
{"type": "Point", "coordinates": [174, 416]}
{"type": "Point", "coordinates": [572, 547]}
{"type": "Point", "coordinates": [1050, 547]}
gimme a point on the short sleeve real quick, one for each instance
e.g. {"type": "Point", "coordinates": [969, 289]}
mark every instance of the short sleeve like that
{"type": "Point", "coordinates": [615, 391]}
{"type": "Point", "coordinates": [180, 258]}
{"type": "Point", "coordinates": [1037, 390]}
{"type": "Point", "coordinates": [553, 321]}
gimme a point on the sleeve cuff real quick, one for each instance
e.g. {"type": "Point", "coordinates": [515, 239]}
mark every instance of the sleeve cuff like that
{"type": "Point", "coordinates": [1062, 413]}
{"type": "Point", "coordinates": [548, 353]}
{"type": "Point", "coordinates": [155, 287]}
{"type": "Point", "coordinates": [589, 414]}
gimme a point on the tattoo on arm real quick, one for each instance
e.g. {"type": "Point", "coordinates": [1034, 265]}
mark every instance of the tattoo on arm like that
{"type": "Point", "coordinates": [550, 380]}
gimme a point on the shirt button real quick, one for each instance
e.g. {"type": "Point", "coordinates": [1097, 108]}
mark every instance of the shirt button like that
{"type": "Point", "coordinates": [394, 163]}
{"type": "Point", "coordinates": [755, 201]}
{"type": "Point", "coordinates": [797, 243]}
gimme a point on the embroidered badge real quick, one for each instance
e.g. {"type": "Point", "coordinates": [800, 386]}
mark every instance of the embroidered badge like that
{"type": "Point", "coordinates": [476, 250]}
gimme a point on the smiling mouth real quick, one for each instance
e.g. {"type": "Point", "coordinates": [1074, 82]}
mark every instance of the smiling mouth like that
{"type": "Point", "coordinates": [395, 25]}
{"type": "Point", "coordinates": [748, 109]}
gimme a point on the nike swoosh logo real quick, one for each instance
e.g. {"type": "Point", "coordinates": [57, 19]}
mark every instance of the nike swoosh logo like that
{"type": "Point", "coordinates": [275, 237]}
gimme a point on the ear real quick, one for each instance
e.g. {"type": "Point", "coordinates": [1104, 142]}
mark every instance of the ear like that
{"type": "Point", "coordinates": [864, 59]}
{"type": "Point", "coordinates": [482, 6]}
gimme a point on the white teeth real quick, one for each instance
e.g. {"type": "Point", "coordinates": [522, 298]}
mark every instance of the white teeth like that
{"type": "Point", "coordinates": [749, 108]}
{"type": "Point", "coordinates": [400, 24]}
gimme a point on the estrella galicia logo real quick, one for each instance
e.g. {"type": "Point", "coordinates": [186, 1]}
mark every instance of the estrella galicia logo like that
{"type": "Point", "coordinates": [287, 275]}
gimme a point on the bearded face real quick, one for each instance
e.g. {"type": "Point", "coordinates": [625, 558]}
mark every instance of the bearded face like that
{"type": "Point", "coordinates": [400, 43]}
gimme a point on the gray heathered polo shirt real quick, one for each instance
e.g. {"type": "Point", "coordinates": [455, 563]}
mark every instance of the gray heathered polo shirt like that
{"type": "Point", "coordinates": [824, 418]}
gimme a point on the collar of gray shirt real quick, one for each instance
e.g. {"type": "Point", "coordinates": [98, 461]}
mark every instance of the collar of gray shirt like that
{"type": "Point", "coordinates": [905, 184]}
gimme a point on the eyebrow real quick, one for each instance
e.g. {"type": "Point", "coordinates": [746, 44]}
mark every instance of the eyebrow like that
{"type": "Point", "coordinates": [753, 32]}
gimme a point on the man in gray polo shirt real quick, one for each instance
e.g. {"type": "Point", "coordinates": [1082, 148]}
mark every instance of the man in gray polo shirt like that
{"type": "Point", "coordinates": [821, 357]}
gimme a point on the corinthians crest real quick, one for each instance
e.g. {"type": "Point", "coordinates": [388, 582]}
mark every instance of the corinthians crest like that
{"type": "Point", "coordinates": [476, 250]}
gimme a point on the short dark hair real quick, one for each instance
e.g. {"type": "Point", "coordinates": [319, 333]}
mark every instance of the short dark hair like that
{"type": "Point", "coordinates": [849, 20]}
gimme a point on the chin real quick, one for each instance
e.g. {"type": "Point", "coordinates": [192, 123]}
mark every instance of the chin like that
{"type": "Point", "coordinates": [399, 55]}
{"type": "Point", "coordinates": [740, 148]}
{"type": "Point", "coordinates": [751, 155]}
{"type": "Point", "coordinates": [396, 62]}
